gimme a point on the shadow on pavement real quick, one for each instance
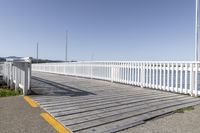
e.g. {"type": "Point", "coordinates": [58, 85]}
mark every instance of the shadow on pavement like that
{"type": "Point", "coordinates": [45, 87]}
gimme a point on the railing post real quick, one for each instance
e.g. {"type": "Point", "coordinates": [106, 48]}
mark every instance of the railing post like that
{"type": "Point", "coordinates": [172, 78]}
{"type": "Point", "coordinates": [161, 76]}
{"type": "Point", "coordinates": [25, 89]}
{"type": "Point", "coordinates": [153, 78]}
{"type": "Point", "coordinates": [176, 83]}
{"type": "Point", "coordinates": [112, 72]}
{"type": "Point", "coordinates": [150, 73]}
{"type": "Point", "coordinates": [142, 76]}
{"type": "Point", "coordinates": [156, 85]}
{"type": "Point", "coordinates": [181, 79]}
{"type": "Point", "coordinates": [16, 79]}
{"type": "Point", "coordinates": [164, 77]}
{"type": "Point", "coordinates": [196, 80]}
{"type": "Point", "coordinates": [186, 78]}
{"type": "Point", "coordinates": [146, 74]}
{"type": "Point", "coordinates": [191, 79]}
{"type": "Point", "coordinates": [8, 75]}
{"type": "Point", "coordinates": [11, 75]}
{"type": "Point", "coordinates": [29, 76]}
{"type": "Point", "coordinates": [138, 74]}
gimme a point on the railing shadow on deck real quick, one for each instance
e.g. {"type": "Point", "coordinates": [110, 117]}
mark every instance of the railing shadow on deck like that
{"type": "Point", "coordinates": [58, 89]}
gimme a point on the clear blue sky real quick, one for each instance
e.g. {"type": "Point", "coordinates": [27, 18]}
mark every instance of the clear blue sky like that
{"type": "Point", "coordinates": [106, 29]}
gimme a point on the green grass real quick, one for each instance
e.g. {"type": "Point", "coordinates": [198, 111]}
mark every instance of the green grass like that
{"type": "Point", "coordinates": [184, 109]}
{"type": "Point", "coordinates": [5, 92]}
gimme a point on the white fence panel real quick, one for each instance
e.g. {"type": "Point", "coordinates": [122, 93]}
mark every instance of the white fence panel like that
{"type": "Point", "coordinates": [179, 77]}
{"type": "Point", "coordinates": [17, 74]}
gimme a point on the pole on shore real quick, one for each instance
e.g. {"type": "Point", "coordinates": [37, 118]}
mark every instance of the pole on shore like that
{"type": "Point", "coordinates": [66, 46]}
{"type": "Point", "coordinates": [196, 32]}
{"type": "Point", "coordinates": [37, 51]}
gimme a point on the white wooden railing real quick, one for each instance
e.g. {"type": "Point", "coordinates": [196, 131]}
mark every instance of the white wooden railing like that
{"type": "Point", "coordinates": [1, 68]}
{"type": "Point", "coordinates": [17, 73]}
{"type": "Point", "coordinates": [177, 76]}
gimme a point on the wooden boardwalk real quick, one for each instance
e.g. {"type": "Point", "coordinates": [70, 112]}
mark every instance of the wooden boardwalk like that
{"type": "Point", "coordinates": [95, 106]}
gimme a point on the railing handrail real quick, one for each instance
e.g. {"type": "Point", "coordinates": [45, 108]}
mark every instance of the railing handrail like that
{"type": "Point", "coordinates": [152, 62]}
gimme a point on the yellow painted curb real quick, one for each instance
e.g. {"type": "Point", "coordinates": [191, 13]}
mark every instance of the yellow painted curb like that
{"type": "Point", "coordinates": [53, 122]}
{"type": "Point", "coordinates": [30, 101]}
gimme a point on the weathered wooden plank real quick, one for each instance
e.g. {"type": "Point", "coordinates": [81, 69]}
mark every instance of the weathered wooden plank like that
{"type": "Point", "coordinates": [121, 125]}
{"type": "Point", "coordinates": [81, 105]}
{"type": "Point", "coordinates": [114, 118]}
{"type": "Point", "coordinates": [106, 94]}
{"type": "Point", "coordinates": [62, 104]}
{"type": "Point", "coordinates": [89, 86]}
{"type": "Point", "coordinates": [142, 106]}
{"type": "Point", "coordinates": [61, 112]}
{"type": "Point", "coordinates": [103, 110]}
{"type": "Point", "coordinates": [71, 101]}
{"type": "Point", "coordinates": [124, 124]}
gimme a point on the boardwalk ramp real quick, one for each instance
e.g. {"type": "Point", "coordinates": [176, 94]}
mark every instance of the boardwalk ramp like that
{"type": "Point", "coordinates": [87, 105]}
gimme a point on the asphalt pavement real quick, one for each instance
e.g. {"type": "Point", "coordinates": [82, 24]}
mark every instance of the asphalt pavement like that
{"type": "Point", "coordinates": [17, 116]}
